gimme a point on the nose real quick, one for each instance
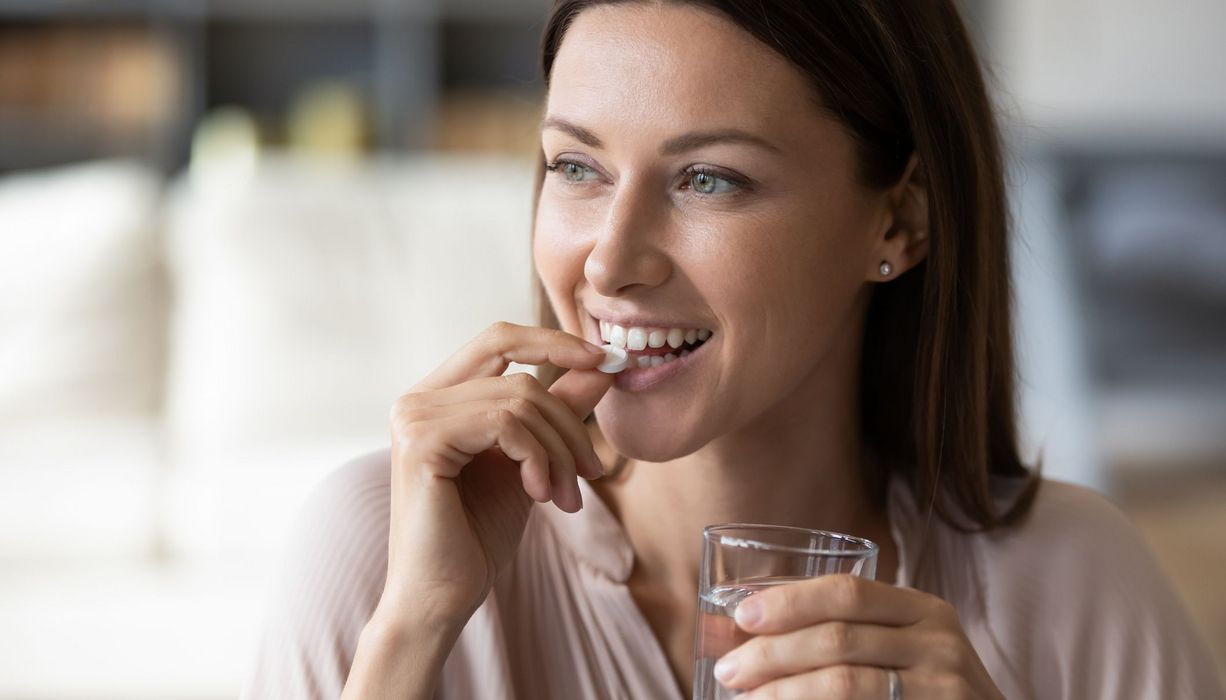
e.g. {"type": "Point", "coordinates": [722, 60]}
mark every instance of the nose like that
{"type": "Point", "coordinates": [629, 249]}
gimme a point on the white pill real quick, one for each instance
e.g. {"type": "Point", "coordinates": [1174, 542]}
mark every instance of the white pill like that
{"type": "Point", "coordinates": [615, 359]}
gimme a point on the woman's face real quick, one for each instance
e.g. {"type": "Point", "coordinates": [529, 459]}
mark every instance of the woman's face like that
{"type": "Point", "coordinates": [770, 250]}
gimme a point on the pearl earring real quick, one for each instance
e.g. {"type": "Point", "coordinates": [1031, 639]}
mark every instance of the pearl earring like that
{"type": "Point", "coordinates": [885, 268]}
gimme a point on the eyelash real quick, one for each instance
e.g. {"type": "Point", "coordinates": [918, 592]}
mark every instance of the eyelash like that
{"type": "Point", "coordinates": [690, 172]}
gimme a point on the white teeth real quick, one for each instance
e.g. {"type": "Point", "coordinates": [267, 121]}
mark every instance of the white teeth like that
{"type": "Point", "coordinates": [669, 357]}
{"type": "Point", "coordinates": [640, 338]}
{"type": "Point", "coordinates": [656, 360]}
{"type": "Point", "coordinates": [644, 361]}
{"type": "Point", "coordinates": [683, 353]}
{"type": "Point", "coordinates": [636, 338]}
{"type": "Point", "coordinates": [617, 335]}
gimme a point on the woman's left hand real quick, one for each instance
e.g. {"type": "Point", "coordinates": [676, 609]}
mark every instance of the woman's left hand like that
{"type": "Point", "coordinates": [838, 636]}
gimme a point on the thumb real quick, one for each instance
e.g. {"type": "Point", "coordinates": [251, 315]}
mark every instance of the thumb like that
{"type": "Point", "coordinates": [582, 389]}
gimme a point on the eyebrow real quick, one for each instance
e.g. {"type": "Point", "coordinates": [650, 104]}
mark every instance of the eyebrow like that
{"type": "Point", "coordinates": [678, 144]}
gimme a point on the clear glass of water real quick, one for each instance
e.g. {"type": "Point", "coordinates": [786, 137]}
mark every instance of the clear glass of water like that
{"type": "Point", "coordinates": [740, 559]}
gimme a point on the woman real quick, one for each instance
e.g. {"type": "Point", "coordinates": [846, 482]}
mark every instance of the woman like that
{"type": "Point", "coordinates": [816, 190]}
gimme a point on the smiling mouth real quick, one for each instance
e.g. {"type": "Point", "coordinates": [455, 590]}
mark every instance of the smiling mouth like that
{"type": "Point", "coordinates": [652, 346]}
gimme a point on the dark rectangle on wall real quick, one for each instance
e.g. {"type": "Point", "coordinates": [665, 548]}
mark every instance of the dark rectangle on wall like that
{"type": "Point", "coordinates": [490, 54]}
{"type": "Point", "coordinates": [263, 66]}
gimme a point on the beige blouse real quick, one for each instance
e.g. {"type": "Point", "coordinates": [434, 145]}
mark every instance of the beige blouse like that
{"type": "Point", "coordinates": [1070, 605]}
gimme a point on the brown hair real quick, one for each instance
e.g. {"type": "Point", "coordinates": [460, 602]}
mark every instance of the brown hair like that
{"type": "Point", "coordinates": [937, 371]}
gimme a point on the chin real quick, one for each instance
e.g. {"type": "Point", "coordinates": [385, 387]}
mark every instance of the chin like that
{"type": "Point", "coordinates": [643, 439]}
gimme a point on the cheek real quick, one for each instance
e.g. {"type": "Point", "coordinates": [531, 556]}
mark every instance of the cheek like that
{"type": "Point", "coordinates": [559, 232]}
{"type": "Point", "coordinates": [795, 285]}
{"type": "Point", "coordinates": [787, 268]}
{"type": "Point", "coordinates": [558, 258]}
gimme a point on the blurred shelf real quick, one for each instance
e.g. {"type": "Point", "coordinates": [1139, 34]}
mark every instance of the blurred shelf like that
{"type": "Point", "coordinates": [1119, 139]}
{"type": "Point", "coordinates": [31, 141]}
{"type": "Point", "coordinates": [321, 10]}
{"type": "Point", "coordinates": [12, 10]}
{"type": "Point", "coordinates": [533, 11]}
{"type": "Point", "coordinates": [279, 10]}
{"type": "Point", "coordinates": [399, 58]}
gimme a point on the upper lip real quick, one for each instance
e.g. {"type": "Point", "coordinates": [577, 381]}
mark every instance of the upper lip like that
{"type": "Point", "coordinates": [642, 320]}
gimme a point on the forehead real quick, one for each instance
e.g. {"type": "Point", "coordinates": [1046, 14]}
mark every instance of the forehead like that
{"type": "Point", "coordinates": [631, 67]}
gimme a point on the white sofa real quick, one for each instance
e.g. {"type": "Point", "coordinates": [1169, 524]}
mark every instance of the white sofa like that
{"type": "Point", "coordinates": [180, 362]}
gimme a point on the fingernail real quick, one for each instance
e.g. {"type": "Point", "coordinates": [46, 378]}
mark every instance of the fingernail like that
{"type": "Point", "coordinates": [749, 613]}
{"type": "Point", "coordinates": [594, 349]}
{"type": "Point", "coordinates": [725, 668]}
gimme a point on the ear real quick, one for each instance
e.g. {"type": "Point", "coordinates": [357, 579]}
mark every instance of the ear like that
{"type": "Point", "coordinates": [902, 240]}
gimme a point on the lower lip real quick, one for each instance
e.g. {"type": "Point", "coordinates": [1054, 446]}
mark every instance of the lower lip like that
{"type": "Point", "coordinates": [643, 378]}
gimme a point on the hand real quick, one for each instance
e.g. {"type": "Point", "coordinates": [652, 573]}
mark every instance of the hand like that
{"type": "Point", "coordinates": [837, 636]}
{"type": "Point", "coordinates": [471, 451]}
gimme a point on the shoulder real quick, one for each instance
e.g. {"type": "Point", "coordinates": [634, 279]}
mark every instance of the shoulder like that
{"type": "Point", "coordinates": [1064, 520]}
{"type": "Point", "coordinates": [1075, 585]}
{"type": "Point", "coordinates": [1077, 541]}
{"type": "Point", "coordinates": [1073, 545]}
{"type": "Point", "coordinates": [357, 487]}
{"type": "Point", "coordinates": [345, 516]}
{"type": "Point", "coordinates": [1072, 542]}
{"type": "Point", "coordinates": [330, 581]}
{"type": "Point", "coordinates": [1064, 523]}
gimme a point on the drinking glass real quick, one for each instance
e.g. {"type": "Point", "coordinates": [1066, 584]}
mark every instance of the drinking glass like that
{"type": "Point", "coordinates": [740, 559]}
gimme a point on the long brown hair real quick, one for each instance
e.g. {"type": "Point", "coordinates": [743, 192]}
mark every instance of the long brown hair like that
{"type": "Point", "coordinates": [937, 371]}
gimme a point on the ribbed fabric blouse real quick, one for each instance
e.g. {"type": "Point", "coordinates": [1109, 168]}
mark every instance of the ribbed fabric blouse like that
{"type": "Point", "coordinates": [1070, 605]}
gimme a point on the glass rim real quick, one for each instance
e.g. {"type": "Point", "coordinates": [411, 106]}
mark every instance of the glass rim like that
{"type": "Point", "coordinates": [867, 546]}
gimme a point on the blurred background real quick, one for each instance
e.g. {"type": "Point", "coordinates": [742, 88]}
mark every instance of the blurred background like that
{"type": "Point", "coordinates": [232, 232]}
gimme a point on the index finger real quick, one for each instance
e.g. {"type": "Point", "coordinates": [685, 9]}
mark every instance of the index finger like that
{"type": "Point", "coordinates": [494, 349]}
{"type": "Point", "coordinates": [828, 598]}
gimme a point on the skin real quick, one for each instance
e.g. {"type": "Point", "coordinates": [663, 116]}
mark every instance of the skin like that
{"type": "Point", "coordinates": [782, 271]}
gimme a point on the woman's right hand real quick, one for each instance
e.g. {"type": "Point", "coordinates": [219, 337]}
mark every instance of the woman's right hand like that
{"type": "Point", "coordinates": [471, 451]}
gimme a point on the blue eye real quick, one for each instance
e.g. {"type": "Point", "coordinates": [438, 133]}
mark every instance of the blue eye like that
{"type": "Point", "coordinates": [704, 182]}
{"type": "Point", "coordinates": [701, 180]}
{"type": "Point", "coordinates": [569, 168]}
